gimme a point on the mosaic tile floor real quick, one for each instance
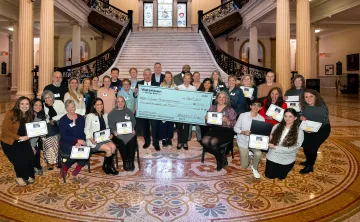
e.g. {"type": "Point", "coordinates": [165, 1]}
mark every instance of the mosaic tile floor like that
{"type": "Point", "coordinates": [175, 186]}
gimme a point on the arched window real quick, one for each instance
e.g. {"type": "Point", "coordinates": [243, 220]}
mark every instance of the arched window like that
{"type": "Point", "coordinates": [245, 52]}
{"type": "Point", "coordinates": [84, 51]}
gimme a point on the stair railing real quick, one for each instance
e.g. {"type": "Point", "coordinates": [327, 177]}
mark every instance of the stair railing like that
{"type": "Point", "coordinates": [228, 63]}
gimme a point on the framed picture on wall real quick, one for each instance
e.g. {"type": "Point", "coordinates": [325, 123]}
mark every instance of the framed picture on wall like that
{"type": "Point", "coordinates": [329, 69]}
{"type": "Point", "coordinates": [352, 62]}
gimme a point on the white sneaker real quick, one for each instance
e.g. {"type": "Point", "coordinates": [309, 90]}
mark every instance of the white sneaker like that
{"type": "Point", "coordinates": [31, 180]}
{"type": "Point", "coordinates": [255, 173]}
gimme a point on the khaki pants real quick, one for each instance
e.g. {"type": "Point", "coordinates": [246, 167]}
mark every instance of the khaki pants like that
{"type": "Point", "coordinates": [245, 160]}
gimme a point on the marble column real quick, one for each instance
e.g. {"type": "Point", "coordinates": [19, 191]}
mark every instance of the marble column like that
{"type": "Point", "coordinates": [141, 14]}
{"type": "Point", "coordinates": [14, 56]}
{"type": "Point", "coordinates": [155, 13]}
{"type": "Point", "coordinates": [273, 54]}
{"type": "Point", "coordinates": [303, 38]}
{"type": "Point", "coordinates": [56, 51]}
{"type": "Point", "coordinates": [46, 64]}
{"type": "Point", "coordinates": [313, 72]}
{"type": "Point", "coordinates": [188, 12]}
{"type": "Point", "coordinates": [283, 43]}
{"type": "Point", "coordinates": [25, 52]}
{"type": "Point", "coordinates": [175, 13]}
{"type": "Point", "coordinates": [76, 40]}
{"type": "Point", "coordinates": [253, 43]}
{"type": "Point", "coordinates": [99, 45]}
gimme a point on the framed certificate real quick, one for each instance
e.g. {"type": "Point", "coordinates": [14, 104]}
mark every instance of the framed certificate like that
{"type": "Point", "coordinates": [292, 99]}
{"type": "Point", "coordinates": [102, 135]}
{"type": "Point", "coordinates": [214, 118]}
{"type": "Point", "coordinates": [248, 91]}
{"type": "Point", "coordinates": [310, 126]}
{"type": "Point", "coordinates": [258, 142]}
{"type": "Point", "coordinates": [80, 152]}
{"type": "Point", "coordinates": [275, 112]}
{"type": "Point", "coordinates": [124, 127]}
{"type": "Point", "coordinates": [294, 105]}
{"type": "Point", "coordinates": [35, 129]}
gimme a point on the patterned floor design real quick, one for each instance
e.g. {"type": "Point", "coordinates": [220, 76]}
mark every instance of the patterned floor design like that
{"type": "Point", "coordinates": [175, 186]}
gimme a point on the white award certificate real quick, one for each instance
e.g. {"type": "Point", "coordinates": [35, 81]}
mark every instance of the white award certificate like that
{"type": "Point", "coordinates": [102, 136]}
{"type": "Point", "coordinates": [214, 118]}
{"type": "Point", "coordinates": [258, 142]}
{"type": "Point", "coordinates": [35, 129]}
{"type": "Point", "coordinates": [124, 127]}
{"type": "Point", "coordinates": [292, 99]}
{"type": "Point", "coordinates": [248, 91]}
{"type": "Point", "coordinates": [275, 112]}
{"type": "Point", "coordinates": [310, 126]}
{"type": "Point", "coordinates": [80, 152]}
{"type": "Point", "coordinates": [294, 105]}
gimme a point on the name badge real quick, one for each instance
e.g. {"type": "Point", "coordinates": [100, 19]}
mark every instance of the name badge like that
{"type": "Point", "coordinates": [72, 124]}
{"type": "Point", "coordinates": [214, 97]}
{"type": "Point", "coordinates": [104, 94]}
{"type": "Point", "coordinates": [127, 117]}
{"type": "Point", "coordinates": [115, 87]}
{"type": "Point", "coordinates": [221, 85]}
{"type": "Point", "coordinates": [232, 94]}
{"type": "Point", "coordinates": [132, 87]}
{"type": "Point", "coordinates": [57, 95]}
{"type": "Point", "coordinates": [84, 99]}
{"type": "Point", "coordinates": [126, 98]}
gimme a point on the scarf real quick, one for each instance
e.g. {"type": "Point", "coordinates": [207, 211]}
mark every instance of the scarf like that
{"type": "Point", "coordinates": [52, 111]}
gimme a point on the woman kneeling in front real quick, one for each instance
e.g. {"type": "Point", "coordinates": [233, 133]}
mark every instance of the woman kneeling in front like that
{"type": "Point", "coordinates": [97, 120]}
{"type": "Point", "coordinates": [72, 133]}
{"type": "Point", "coordinates": [126, 143]}
{"type": "Point", "coordinates": [285, 140]}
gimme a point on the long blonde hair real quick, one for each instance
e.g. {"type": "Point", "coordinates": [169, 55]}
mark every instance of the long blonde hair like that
{"type": "Point", "coordinates": [163, 84]}
{"type": "Point", "coordinates": [71, 92]}
{"type": "Point", "coordinates": [82, 85]}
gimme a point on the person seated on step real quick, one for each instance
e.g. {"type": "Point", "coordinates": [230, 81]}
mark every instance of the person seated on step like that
{"type": "Point", "coordinates": [179, 78]}
{"type": "Point", "coordinates": [97, 120]}
{"type": "Point", "coordinates": [220, 134]}
{"type": "Point", "coordinates": [122, 123]}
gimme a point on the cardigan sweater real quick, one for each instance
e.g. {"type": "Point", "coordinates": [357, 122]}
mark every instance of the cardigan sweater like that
{"type": "Point", "coordinates": [123, 115]}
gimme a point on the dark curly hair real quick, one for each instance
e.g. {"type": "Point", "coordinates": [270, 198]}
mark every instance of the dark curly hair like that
{"type": "Point", "coordinates": [202, 88]}
{"type": "Point", "coordinates": [292, 136]}
{"type": "Point", "coordinates": [279, 101]}
{"type": "Point", "coordinates": [318, 99]}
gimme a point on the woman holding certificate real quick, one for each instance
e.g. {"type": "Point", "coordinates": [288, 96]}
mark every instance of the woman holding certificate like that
{"type": "Point", "coordinates": [15, 143]}
{"type": "Point", "coordinates": [75, 95]}
{"type": "Point", "coordinates": [72, 134]}
{"type": "Point", "coordinates": [54, 110]}
{"type": "Point", "coordinates": [107, 95]}
{"type": "Point", "coordinates": [89, 96]}
{"type": "Point", "coordinates": [313, 104]}
{"type": "Point", "coordinates": [218, 84]}
{"type": "Point", "coordinates": [98, 135]}
{"type": "Point", "coordinates": [222, 132]}
{"type": "Point", "coordinates": [128, 94]}
{"type": "Point", "coordinates": [274, 99]}
{"type": "Point", "coordinates": [285, 141]}
{"type": "Point", "coordinates": [249, 89]}
{"type": "Point", "coordinates": [122, 123]}
{"type": "Point", "coordinates": [183, 128]}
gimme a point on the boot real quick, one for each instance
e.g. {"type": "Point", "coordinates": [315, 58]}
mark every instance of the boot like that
{"type": "Point", "coordinates": [111, 167]}
{"type": "Point", "coordinates": [306, 170]}
{"type": "Point", "coordinates": [105, 166]}
{"type": "Point", "coordinates": [126, 165]}
{"type": "Point", "coordinates": [303, 163]}
{"type": "Point", "coordinates": [131, 165]}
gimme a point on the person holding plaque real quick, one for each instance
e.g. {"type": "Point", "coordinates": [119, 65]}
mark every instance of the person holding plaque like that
{"type": "Point", "coordinates": [263, 89]}
{"type": "Point", "coordinates": [167, 127]}
{"type": "Point", "coordinates": [247, 85]}
{"type": "Point", "coordinates": [236, 95]}
{"type": "Point", "coordinates": [54, 110]}
{"type": "Point", "coordinates": [107, 95]}
{"type": "Point", "coordinates": [89, 96]}
{"type": "Point", "coordinates": [15, 142]}
{"type": "Point", "coordinates": [94, 84]}
{"type": "Point", "coordinates": [285, 141]}
{"type": "Point", "coordinates": [97, 121]}
{"type": "Point", "coordinates": [312, 140]}
{"type": "Point", "coordinates": [218, 84]}
{"type": "Point", "coordinates": [119, 121]}
{"type": "Point", "coordinates": [183, 128]}
{"type": "Point", "coordinates": [72, 133]}
{"type": "Point", "coordinates": [75, 95]}
{"type": "Point", "coordinates": [128, 94]}
{"type": "Point", "coordinates": [274, 97]}
{"type": "Point", "coordinates": [242, 128]}
{"type": "Point", "coordinates": [220, 134]}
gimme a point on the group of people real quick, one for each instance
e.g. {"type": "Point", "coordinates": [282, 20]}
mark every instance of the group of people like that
{"type": "Point", "coordinates": [74, 112]}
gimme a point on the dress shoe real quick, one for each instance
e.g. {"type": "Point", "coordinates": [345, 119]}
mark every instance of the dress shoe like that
{"type": "Point", "coordinates": [31, 180]}
{"type": "Point", "coordinates": [131, 165]}
{"type": "Point", "coordinates": [126, 165]}
{"type": "Point", "coordinates": [169, 142]}
{"type": "Point", "coordinates": [146, 145]}
{"type": "Point", "coordinates": [157, 147]}
{"type": "Point", "coordinates": [185, 146]}
{"type": "Point", "coordinates": [164, 143]}
{"type": "Point", "coordinates": [178, 147]}
{"type": "Point", "coordinates": [306, 170]}
{"type": "Point", "coordinates": [303, 163]}
{"type": "Point", "coordinates": [111, 167]}
{"type": "Point", "coordinates": [50, 166]}
{"type": "Point", "coordinates": [20, 181]}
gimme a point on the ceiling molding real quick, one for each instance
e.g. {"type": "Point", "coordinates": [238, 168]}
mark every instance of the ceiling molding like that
{"type": "Point", "coordinates": [330, 8]}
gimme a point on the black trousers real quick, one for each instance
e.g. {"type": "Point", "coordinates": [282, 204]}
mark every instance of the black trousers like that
{"type": "Point", "coordinates": [127, 151]}
{"type": "Point", "coordinates": [21, 155]}
{"type": "Point", "coordinates": [166, 130]}
{"type": "Point", "coordinates": [37, 158]}
{"type": "Point", "coordinates": [183, 132]}
{"type": "Point", "coordinates": [155, 131]}
{"type": "Point", "coordinates": [274, 170]}
{"type": "Point", "coordinates": [312, 143]}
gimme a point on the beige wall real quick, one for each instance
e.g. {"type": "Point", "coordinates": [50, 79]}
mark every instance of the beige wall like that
{"type": "Point", "coordinates": [4, 47]}
{"type": "Point", "coordinates": [336, 47]}
{"type": "Point", "coordinates": [126, 5]}
{"type": "Point", "coordinates": [107, 42]}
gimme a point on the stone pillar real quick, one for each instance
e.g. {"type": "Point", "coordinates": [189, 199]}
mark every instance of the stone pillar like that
{"type": "Point", "coordinates": [25, 49]}
{"type": "Point", "coordinates": [14, 56]}
{"type": "Point", "coordinates": [313, 72]}
{"type": "Point", "coordinates": [76, 40]}
{"type": "Point", "coordinates": [273, 54]}
{"type": "Point", "coordinates": [46, 64]}
{"type": "Point", "coordinates": [56, 51]}
{"type": "Point", "coordinates": [253, 43]}
{"type": "Point", "coordinates": [175, 13]}
{"type": "Point", "coordinates": [99, 45]}
{"type": "Point", "coordinates": [303, 39]}
{"type": "Point", "coordinates": [283, 43]}
{"type": "Point", "coordinates": [188, 12]}
{"type": "Point", "coordinates": [141, 14]}
{"type": "Point", "coordinates": [155, 13]}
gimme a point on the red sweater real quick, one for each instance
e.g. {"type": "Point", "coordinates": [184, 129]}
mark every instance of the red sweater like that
{"type": "Point", "coordinates": [262, 112]}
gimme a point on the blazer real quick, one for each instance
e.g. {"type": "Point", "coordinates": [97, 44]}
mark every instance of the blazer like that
{"type": "Point", "coordinates": [162, 77]}
{"type": "Point", "coordinates": [92, 124]}
{"type": "Point", "coordinates": [178, 79]}
{"type": "Point", "coordinates": [237, 99]}
{"type": "Point", "coordinates": [9, 129]}
{"type": "Point", "coordinates": [153, 83]}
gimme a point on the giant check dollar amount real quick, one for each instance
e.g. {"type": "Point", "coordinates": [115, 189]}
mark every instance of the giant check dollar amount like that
{"type": "Point", "coordinates": [172, 105]}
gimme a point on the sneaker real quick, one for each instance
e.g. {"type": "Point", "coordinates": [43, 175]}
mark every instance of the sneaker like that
{"type": "Point", "coordinates": [255, 173]}
{"type": "Point", "coordinates": [20, 181]}
{"type": "Point", "coordinates": [31, 180]}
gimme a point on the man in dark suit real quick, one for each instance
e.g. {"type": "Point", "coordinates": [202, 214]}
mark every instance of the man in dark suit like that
{"type": "Point", "coordinates": [157, 76]}
{"type": "Point", "coordinates": [178, 79]}
{"type": "Point", "coordinates": [147, 122]}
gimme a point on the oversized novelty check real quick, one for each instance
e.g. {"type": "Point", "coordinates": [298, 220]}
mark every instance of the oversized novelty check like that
{"type": "Point", "coordinates": [173, 105]}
